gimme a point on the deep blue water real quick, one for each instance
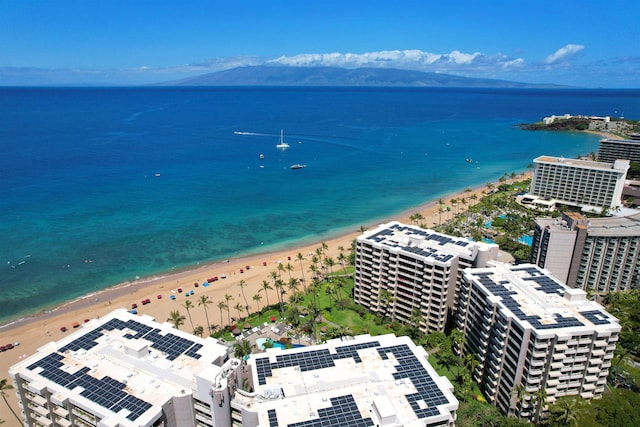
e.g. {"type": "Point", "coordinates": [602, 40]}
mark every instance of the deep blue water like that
{"type": "Point", "coordinates": [81, 206]}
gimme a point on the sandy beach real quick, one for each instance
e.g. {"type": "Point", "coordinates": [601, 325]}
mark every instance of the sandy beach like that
{"type": "Point", "coordinates": [34, 331]}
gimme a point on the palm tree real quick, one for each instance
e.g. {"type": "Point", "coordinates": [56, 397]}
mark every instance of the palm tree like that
{"type": "Point", "coordinates": [300, 258]}
{"type": "Point", "coordinates": [386, 297]}
{"type": "Point", "coordinates": [289, 269]}
{"type": "Point", "coordinates": [314, 271]}
{"type": "Point", "coordinates": [458, 340]}
{"type": "Point", "coordinates": [329, 262]}
{"type": "Point", "coordinates": [228, 298]}
{"type": "Point", "coordinates": [540, 398]}
{"type": "Point", "coordinates": [339, 284]}
{"type": "Point", "coordinates": [470, 362]}
{"type": "Point", "coordinates": [176, 318]}
{"type": "Point", "coordinates": [222, 306]}
{"type": "Point", "coordinates": [198, 330]}
{"type": "Point", "coordinates": [279, 284]}
{"type": "Point", "coordinates": [242, 284]}
{"type": "Point", "coordinates": [257, 297]}
{"type": "Point", "coordinates": [239, 308]}
{"type": "Point", "coordinates": [519, 392]}
{"type": "Point", "coordinates": [4, 385]}
{"type": "Point", "coordinates": [205, 301]}
{"type": "Point", "coordinates": [416, 217]}
{"type": "Point", "coordinates": [416, 318]}
{"type": "Point", "coordinates": [241, 349]}
{"type": "Point", "coordinates": [292, 285]}
{"type": "Point", "coordinates": [342, 258]}
{"type": "Point", "coordinates": [454, 204]}
{"type": "Point", "coordinates": [440, 205]}
{"type": "Point", "coordinates": [565, 412]}
{"type": "Point", "coordinates": [188, 305]}
{"type": "Point", "coordinates": [266, 287]}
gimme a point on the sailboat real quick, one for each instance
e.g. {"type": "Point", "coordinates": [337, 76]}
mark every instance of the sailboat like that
{"type": "Point", "coordinates": [282, 144]}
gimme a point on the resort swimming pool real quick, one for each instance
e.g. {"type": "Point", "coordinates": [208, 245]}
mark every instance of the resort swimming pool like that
{"type": "Point", "coordinates": [261, 341]}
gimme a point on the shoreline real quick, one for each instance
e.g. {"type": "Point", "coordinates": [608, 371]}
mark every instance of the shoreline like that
{"type": "Point", "coordinates": [118, 290]}
{"type": "Point", "coordinates": [36, 330]}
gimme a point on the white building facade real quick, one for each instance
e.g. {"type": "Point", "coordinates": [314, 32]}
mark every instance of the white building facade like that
{"type": "Point", "coordinates": [402, 270]}
{"type": "Point", "coordinates": [531, 333]}
{"type": "Point", "coordinates": [583, 183]}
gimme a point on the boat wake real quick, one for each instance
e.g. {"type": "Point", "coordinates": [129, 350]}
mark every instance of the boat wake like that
{"type": "Point", "coordinates": [238, 132]}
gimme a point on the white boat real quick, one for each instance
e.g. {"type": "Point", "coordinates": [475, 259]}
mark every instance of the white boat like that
{"type": "Point", "coordinates": [298, 166]}
{"type": "Point", "coordinates": [282, 144]}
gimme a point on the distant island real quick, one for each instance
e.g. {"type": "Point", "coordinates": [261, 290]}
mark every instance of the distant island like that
{"type": "Point", "coordinates": [268, 75]}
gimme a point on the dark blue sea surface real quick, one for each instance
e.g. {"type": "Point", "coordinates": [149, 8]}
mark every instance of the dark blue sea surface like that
{"type": "Point", "coordinates": [100, 186]}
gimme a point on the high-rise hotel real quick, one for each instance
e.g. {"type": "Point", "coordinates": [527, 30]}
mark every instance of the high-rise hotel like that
{"type": "Point", "coordinates": [590, 185]}
{"type": "Point", "coordinates": [402, 270]}
{"type": "Point", "coordinates": [612, 149]}
{"type": "Point", "coordinates": [597, 254]}
{"type": "Point", "coordinates": [535, 339]}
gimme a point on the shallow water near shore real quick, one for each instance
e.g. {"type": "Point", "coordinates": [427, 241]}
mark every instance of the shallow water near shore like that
{"type": "Point", "coordinates": [103, 186]}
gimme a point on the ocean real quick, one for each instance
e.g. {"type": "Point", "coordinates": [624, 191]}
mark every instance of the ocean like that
{"type": "Point", "coordinates": [105, 185]}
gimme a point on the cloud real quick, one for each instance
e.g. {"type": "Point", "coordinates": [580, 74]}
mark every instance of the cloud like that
{"type": "Point", "coordinates": [564, 53]}
{"type": "Point", "coordinates": [413, 59]}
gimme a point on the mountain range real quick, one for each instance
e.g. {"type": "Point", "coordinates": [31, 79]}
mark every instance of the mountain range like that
{"type": "Point", "coordinates": [269, 75]}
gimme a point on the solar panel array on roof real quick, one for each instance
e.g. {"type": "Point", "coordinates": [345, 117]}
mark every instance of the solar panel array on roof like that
{"type": "Point", "coordinates": [596, 317]}
{"type": "Point", "coordinates": [170, 344]}
{"type": "Point", "coordinates": [273, 418]}
{"type": "Point", "coordinates": [380, 235]}
{"type": "Point", "coordinates": [309, 360]}
{"type": "Point", "coordinates": [342, 412]}
{"type": "Point", "coordinates": [85, 342]}
{"type": "Point", "coordinates": [428, 395]}
{"type": "Point", "coordinates": [439, 239]}
{"type": "Point", "coordinates": [509, 302]}
{"type": "Point", "coordinates": [546, 284]}
{"type": "Point", "coordinates": [106, 392]}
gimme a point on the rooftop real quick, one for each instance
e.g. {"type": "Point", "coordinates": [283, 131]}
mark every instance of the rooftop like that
{"type": "Point", "coordinates": [536, 298]}
{"type": "Point", "coordinates": [615, 226]}
{"type": "Point", "coordinates": [363, 381]}
{"type": "Point", "coordinates": [575, 162]}
{"type": "Point", "coordinates": [422, 242]}
{"type": "Point", "coordinates": [122, 366]}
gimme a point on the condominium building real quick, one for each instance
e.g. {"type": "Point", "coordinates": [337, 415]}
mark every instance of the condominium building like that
{"type": "Point", "coordinates": [583, 183]}
{"type": "Point", "coordinates": [533, 336]}
{"type": "Point", "coordinates": [126, 370]}
{"type": "Point", "coordinates": [403, 270]}
{"type": "Point", "coordinates": [597, 254]}
{"type": "Point", "coordinates": [362, 381]}
{"type": "Point", "coordinates": [612, 149]}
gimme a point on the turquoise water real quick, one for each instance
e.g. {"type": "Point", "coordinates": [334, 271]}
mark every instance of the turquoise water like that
{"type": "Point", "coordinates": [101, 186]}
{"type": "Point", "coordinates": [527, 240]}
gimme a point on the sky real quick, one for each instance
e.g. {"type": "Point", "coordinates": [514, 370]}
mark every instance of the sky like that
{"type": "Point", "coordinates": [589, 43]}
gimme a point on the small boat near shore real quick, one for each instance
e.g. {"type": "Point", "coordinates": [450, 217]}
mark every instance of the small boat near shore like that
{"type": "Point", "coordinates": [298, 166]}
